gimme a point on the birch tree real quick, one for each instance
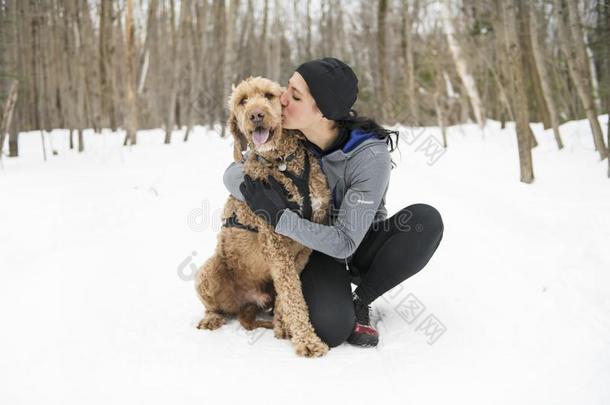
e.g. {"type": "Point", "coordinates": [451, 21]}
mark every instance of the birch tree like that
{"type": "Point", "coordinates": [461, 65]}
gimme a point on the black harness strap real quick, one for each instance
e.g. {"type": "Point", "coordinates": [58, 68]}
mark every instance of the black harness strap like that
{"type": "Point", "coordinates": [302, 184]}
{"type": "Point", "coordinates": [232, 222]}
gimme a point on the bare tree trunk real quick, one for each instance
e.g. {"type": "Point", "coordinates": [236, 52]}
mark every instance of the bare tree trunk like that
{"type": "Point", "coordinates": [382, 11]}
{"type": "Point", "coordinates": [441, 87]}
{"type": "Point", "coordinates": [131, 118]}
{"type": "Point", "coordinates": [604, 10]}
{"type": "Point", "coordinates": [593, 73]}
{"type": "Point", "coordinates": [13, 141]}
{"type": "Point", "coordinates": [230, 55]}
{"type": "Point", "coordinates": [572, 48]}
{"type": "Point", "coordinates": [296, 23]}
{"type": "Point", "coordinates": [106, 51]}
{"type": "Point", "coordinates": [544, 75]}
{"type": "Point", "coordinates": [330, 35]}
{"type": "Point", "coordinates": [119, 69]}
{"type": "Point", "coordinates": [36, 79]}
{"type": "Point", "coordinates": [500, 69]}
{"type": "Point", "coordinates": [175, 71]}
{"type": "Point", "coordinates": [308, 51]}
{"type": "Point", "coordinates": [462, 66]}
{"type": "Point", "coordinates": [220, 42]}
{"type": "Point", "coordinates": [7, 113]}
{"type": "Point", "coordinates": [274, 69]}
{"type": "Point", "coordinates": [323, 28]}
{"type": "Point", "coordinates": [525, 39]}
{"type": "Point", "coordinates": [70, 56]}
{"type": "Point", "coordinates": [200, 55]}
{"type": "Point", "coordinates": [408, 62]}
{"type": "Point", "coordinates": [43, 49]}
{"type": "Point", "coordinates": [190, 74]}
{"type": "Point", "coordinates": [82, 77]}
{"type": "Point", "coordinates": [92, 96]}
{"type": "Point", "coordinates": [520, 98]}
{"type": "Point", "coordinates": [263, 41]}
{"type": "Point", "coordinates": [440, 104]}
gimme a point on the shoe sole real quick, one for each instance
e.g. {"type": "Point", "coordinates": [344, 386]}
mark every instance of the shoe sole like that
{"type": "Point", "coordinates": [363, 340]}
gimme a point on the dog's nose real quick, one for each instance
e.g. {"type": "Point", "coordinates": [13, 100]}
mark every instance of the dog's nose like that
{"type": "Point", "coordinates": [257, 115]}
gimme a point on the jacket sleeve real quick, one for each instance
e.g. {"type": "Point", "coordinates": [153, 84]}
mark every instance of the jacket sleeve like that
{"type": "Point", "coordinates": [366, 186]}
{"type": "Point", "coordinates": [233, 177]}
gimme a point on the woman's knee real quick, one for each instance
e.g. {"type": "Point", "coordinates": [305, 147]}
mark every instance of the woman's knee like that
{"type": "Point", "coordinates": [425, 217]}
{"type": "Point", "coordinates": [334, 325]}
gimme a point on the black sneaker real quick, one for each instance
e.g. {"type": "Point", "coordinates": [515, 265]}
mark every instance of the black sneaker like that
{"type": "Point", "coordinates": [364, 334]}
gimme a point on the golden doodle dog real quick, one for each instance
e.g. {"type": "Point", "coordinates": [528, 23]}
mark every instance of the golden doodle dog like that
{"type": "Point", "coordinates": [251, 260]}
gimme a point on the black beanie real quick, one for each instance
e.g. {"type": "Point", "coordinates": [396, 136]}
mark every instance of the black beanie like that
{"type": "Point", "coordinates": [333, 85]}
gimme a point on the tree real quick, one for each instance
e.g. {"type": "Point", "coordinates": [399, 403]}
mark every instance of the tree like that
{"type": "Point", "coordinates": [462, 66]}
{"type": "Point", "coordinates": [540, 66]}
{"type": "Point", "coordinates": [572, 46]}
{"type": "Point", "coordinates": [6, 114]}
{"type": "Point", "coordinates": [106, 61]}
{"type": "Point", "coordinates": [408, 59]}
{"type": "Point", "coordinates": [520, 101]}
{"type": "Point", "coordinates": [382, 11]}
{"type": "Point", "coordinates": [131, 117]}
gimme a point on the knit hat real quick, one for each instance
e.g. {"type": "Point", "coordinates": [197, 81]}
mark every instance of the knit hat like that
{"type": "Point", "coordinates": [333, 85]}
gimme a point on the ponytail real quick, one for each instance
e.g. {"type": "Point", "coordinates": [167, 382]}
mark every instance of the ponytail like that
{"type": "Point", "coordinates": [354, 121]}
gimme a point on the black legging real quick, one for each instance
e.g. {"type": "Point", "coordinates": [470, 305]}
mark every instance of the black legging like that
{"type": "Point", "coordinates": [392, 251]}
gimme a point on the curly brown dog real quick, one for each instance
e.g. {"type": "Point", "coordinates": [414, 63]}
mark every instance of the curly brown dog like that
{"type": "Point", "coordinates": [249, 254]}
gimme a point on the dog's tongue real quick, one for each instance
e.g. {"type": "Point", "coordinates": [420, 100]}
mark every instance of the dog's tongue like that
{"type": "Point", "coordinates": [260, 136]}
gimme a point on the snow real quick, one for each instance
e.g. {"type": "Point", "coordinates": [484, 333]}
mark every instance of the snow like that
{"type": "Point", "coordinates": [98, 305]}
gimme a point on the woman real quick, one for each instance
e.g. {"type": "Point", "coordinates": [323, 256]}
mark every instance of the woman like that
{"type": "Point", "coordinates": [360, 245]}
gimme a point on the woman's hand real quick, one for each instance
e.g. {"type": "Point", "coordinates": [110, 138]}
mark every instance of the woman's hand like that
{"type": "Point", "coordinates": [266, 198]}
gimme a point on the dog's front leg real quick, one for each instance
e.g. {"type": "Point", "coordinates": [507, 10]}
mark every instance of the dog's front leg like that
{"type": "Point", "coordinates": [294, 311]}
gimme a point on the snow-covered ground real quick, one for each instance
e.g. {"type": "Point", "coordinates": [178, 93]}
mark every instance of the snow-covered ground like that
{"type": "Point", "coordinates": [97, 303]}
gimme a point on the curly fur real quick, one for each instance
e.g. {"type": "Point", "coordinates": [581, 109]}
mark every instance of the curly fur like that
{"type": "Point", "coordinates": [252, 271]}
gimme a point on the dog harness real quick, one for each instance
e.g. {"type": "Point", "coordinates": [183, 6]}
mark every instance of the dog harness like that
{"type": "Point", "coordinates": [234, 223]}
{"type": "Point", "coordinates": [301, 182]}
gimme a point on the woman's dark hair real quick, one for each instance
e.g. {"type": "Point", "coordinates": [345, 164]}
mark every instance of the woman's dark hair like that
{"type": "Point", "coordinates": [354, 121]}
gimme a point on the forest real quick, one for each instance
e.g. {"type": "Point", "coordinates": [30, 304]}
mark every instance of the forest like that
{"type": "Point", "coordinates": [137, 64]}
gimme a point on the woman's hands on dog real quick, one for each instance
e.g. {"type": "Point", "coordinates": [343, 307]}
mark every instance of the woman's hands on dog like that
{"type": "Point", "coordinates": [267, 199]}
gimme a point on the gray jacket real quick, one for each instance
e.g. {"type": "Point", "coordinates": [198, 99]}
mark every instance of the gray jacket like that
{"type": "Point", "coordinates": [358, 175]}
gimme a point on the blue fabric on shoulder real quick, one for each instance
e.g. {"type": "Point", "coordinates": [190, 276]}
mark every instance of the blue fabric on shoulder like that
{"type": "Point", "coordinates": [356, 138]}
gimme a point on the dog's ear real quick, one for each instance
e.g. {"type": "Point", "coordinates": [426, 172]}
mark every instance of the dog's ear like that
{"type": "Point", "coordinates": [240, 143]}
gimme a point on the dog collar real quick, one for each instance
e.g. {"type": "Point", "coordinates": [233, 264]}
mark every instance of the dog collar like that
{"type": "Point", "coordinates": [280, 163]}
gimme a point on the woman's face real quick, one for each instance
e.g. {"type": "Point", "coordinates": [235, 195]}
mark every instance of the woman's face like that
{"type": "Point", "coordinates": [299, 109]}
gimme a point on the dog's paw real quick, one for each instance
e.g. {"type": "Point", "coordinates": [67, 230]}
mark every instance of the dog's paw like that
{"type": "Point", "coordinates": [311, 347]}
{"type": "Point", "coordinates": [280, 332]}
{"type": "Point", "coordinates": [211, 322]}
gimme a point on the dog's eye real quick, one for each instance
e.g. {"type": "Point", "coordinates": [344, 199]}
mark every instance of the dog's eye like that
{"type": "Point", "coordinates": [243, 101]}
{"type": "Point", "coordinates": [269, 96]}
